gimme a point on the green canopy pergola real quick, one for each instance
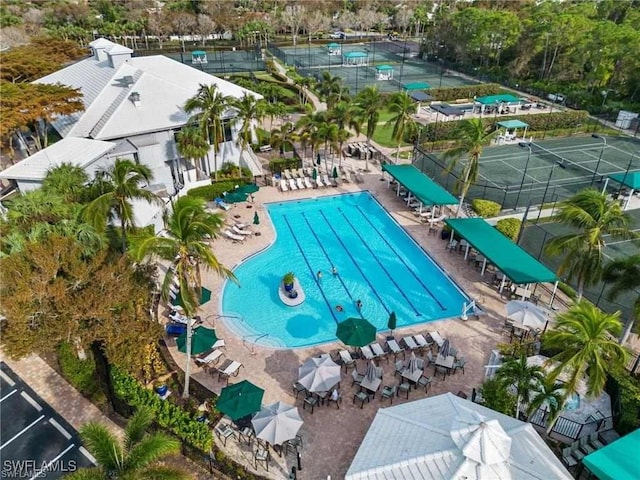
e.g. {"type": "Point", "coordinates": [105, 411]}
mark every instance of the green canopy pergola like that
{"type": "Point", "coordinates": [627, 179]}
{"type": "Point", "coordinates": [514, 262]}
{"type": "Point", "coordinates": [493, 99]}
{"type": "Point", "coordinates": [617, 460]}
{"type": "Point", "coordinates": [198, 56]}
{"type": "Point", "coordinates": [416, 86]}
{"type": "Point", "coordinates": [513, 125]}
{"type": "Point", "coordinates": [421, 187]}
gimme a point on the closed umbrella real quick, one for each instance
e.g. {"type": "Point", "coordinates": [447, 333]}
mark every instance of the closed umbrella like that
{"type": "Point", "coordinates": [314, 174]}
{"type": "Point", "coordinates": [202, 339]}
{"type": "Point", "coordinates": [334, 173]}
{"type": "Point", "coordinates": [392, 323]}
{"type": "Point", "coordinates": [356, 332]}
{"type": "Point", "coordinates": [371, 373]}
{"type": "Point", "coordinates": [276, 423]}
{"type": "Point", "coordinates": [413, 363]}
{"type": "Point", "coordinates": [318, 161]}
{"type": "Point", "coordinates": [444, 350]}
{"type": "Point", "coordinates": [319, 374]}
{"type": "Point", "coordinates": [240, 399]}
{"type": "Point", "coordinates": [526, 314]}
{"type": "Point", "coordinates": [256, 219]}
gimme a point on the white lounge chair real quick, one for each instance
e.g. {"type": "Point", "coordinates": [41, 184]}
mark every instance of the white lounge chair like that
{"type": "Point", "coordinates": [283, 185]}
{"type": "Point", "coordinates": [346, 176]}
{"type": "Point", "coordinates": [319, 182]}
{"type": "Point", "coordinates": [287, 174]}
{"type": "Point", "coordinates": [307, 182]}
{"type": "Point", "coordinates": [210, 359]}
{"type": "Point", "coordinates": [421, 341]}
{"type": "Point", "coordinates": [394, 347]}
{"type": "Point", "coordinates": [301, 173]}
{"type": "Point", "coordinates": [300, 183]}
{"type": "Point", "coordinates": [347, 359]}
{"type": "Point", "coordinates": [241, 225]}
{"type": "Point", "coordinates": [437, 220]}
{"type": "Point", "coordinates": [239, 231]}
{"type": "Point", "coordinates": [325, 179]}
{"type": "Point", "coordinates": [367, 353]}
{"type": "Point", "coordinates": [377, 350]}
{"type": "Point", "coordinates": [410, 343]}
{"type": "Point", "coordinates": [292, 184]}
{"type": "Point", "coordinates": [232, 236]}
{"type": "Point", "coordinates": [435, 336]}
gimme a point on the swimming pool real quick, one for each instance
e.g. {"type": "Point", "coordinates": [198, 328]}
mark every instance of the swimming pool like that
{"type": "Point", "coordinates": [376, 260]}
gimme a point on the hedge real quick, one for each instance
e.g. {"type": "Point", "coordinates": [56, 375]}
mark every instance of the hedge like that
{"type": "Point", "coordinates": [278, 165]}
{"type": "Point", "coordinates": [168, 415]}
{"type": "Point", "coordinates": [537, 123]}
{"type": "Point", "coordinates": [485, 208]}
{"type": "Point", "coordinates": [464, 91]}
{"type": "Point", "coordinates": [81, 373]}
{"type": "Point", "coordinates": [509, 227]}
{"type": "Point", "coordinates": [209, 192]}
{"type": "Point", "coordinates": [628, 389]}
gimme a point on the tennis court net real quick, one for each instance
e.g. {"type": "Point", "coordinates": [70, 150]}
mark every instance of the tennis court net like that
{"type": "Point", "coordinates": [561, 161]}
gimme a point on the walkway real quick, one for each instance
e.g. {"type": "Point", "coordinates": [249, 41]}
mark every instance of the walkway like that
{"type": "Point", "coordinates": [318, 105]}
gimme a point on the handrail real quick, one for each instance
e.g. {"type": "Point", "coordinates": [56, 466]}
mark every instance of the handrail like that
{"type": "Point", "coordinates": [259, 336]}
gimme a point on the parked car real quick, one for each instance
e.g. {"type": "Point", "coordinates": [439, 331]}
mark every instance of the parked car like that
{"type": "Point", "coordinates": [338, 35]}
{"type": "Point", "coordinates": [556, 97]}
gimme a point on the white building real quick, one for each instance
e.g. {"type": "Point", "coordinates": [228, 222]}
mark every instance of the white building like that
{"type": "Point", "coordinates": [133, 109]}
{"type": "Point", "coordinates": [446, 437]}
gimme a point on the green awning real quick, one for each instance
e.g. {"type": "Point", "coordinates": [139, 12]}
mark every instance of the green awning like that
{"type": "Point", "coordinates": [513, 124]}
{"type": "Point", "coordinates": [333, 45]}
{"type": "Point", "coordinates": [422, 187]}
{"type": "Point", "coordinates": [416, 86]}
{"type": "Point", "coordinates": [617, 460]}
{"type": "Point", "coordinates": [198, 52]}
{"type": "Point", "coordinates": [628, 179]}
{"type": "Point", "coordinates": [493, 99]}
{"type": "Point", "coordinates": [383, 68]}
{"type": "Point", "coordinates": [508, 257]}
{"type": "Point", "coordinates": [355, 55]}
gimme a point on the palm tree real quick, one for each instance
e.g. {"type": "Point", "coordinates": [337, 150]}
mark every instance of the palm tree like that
{"type": "Point", "coordinates": [624, 276]}
{"type": "Point", "coordinates": [548, 394]}
{"type": "Point", "coordinates": [210, 105]}
{"type": "Point", "coordinates": [583, 336]}
{"type": "Point", "coordinates": [369, 102]}
{"type": "Point", "coordinates": [308, 128]}
{"type": "Point", "coordinates": [344, 114]}
{"type": "Point", "coordinates": [115, 187]}
{"type": "Point", "coordinates": [523, 378]}
{"type": "Point", "coordinates": [472, 138]}
{"type": "Point", "coordinates": [403, 123]}
{"type": "Point", "coordinates": [184, 244]}
{"type": "Point", "coordinates": [66, 180]}
{"type": "Point", "coordinates": [273, 110]}
{"type": "Point", "coordinates": [250, 110]}
{"type": "Point", "coordinates": [283, 137]}
{"type": "Point", "coordinates": [192, 145]}
{"type": "Point", "coordinates": [138, 455]}
{"type": "Point", "coordinates": [328, 85]}
{"type": "Point", "coordinates": [328, 133]}
{"type": "Point", "coordinates": [342, 136]}
{"type": "Point", "coordinates": [593, 217]}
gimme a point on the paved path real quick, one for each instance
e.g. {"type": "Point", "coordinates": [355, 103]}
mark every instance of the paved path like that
{"type": "Point", "coordinates": [318, 105]}
{"type": "Point", "coordinates": [58, 393]}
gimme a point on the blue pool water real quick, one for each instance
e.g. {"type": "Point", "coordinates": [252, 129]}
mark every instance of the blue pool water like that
{"type": "Point", "coordinates": [377, 263]}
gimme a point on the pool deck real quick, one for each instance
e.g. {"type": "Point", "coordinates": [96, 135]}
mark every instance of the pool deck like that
{"type": "Point", "coordinates": [332, 436]}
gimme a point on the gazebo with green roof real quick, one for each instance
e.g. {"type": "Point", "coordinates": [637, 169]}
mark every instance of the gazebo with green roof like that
{"type": "Point", "coordinates": [355, 59]}
{"type": "Point", "coordinates": [334, 48]}
{"type": "Point", "coordinates": [198, 57]}
{"type": "Point", "coordinates": [496, 100]}
{"type": "Point", "coordinates": [514, 125]}
{"type": "Point", "coordinates": [630, 180]}
{"type": "Point", "coordinates": [384, 72]}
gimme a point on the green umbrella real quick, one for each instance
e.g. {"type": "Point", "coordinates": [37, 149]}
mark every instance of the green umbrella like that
{"type": "Point", "coordinates": [235, 197]}
{"type": "Point", "coordinates": [392, 321]}
{"type": "Point", "coordinates": [205, 296]}
{"type": "Point", "coordinates": [314, 174]}
{"type": "Point", "coordinates": [356, 332]}
{"type": "Point", "coordinates": [256, 219]}
{"type": "Point", "coordinates": [318, 161]}
{"type": "Point", "coordinates": [334, 173]}
{"type": "Point", "coordinates": [202, 339]}
{"type": "Point", "coordinates": [248, 188]}
{"type": "Point", "coordinates": [240, 399]}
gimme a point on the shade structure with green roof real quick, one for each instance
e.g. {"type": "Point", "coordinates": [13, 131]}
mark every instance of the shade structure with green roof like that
{"type": "Point", "coordinates": [421, 186]}
{"type": "Point", "coordinates": [334, 48]}
{"type": "Point", "coordinates": [493, 99]}
{"type": "Point", "coordinates": [509, 258]}
{"type": "Point", "coordinates": [384, 72]}
{"type": "Point", "coordinates": [626, 179]}
{"type": "Point", "coordinates": [510, 124]}
{"type": "Point", "coordinates": [616, 461]}
{"type": "Point", "coordinates": [198, 56]}
{"type": "Point", "coordinates": [202, 339]}
{"type": "Point", "coordinates": [356, 332]}
{"type": "Point", "coordinates": [415, 86]}
{"type": "Point", "coordinates": [353, 59]}
{"type": "Point", "coordinates": [240, 399]}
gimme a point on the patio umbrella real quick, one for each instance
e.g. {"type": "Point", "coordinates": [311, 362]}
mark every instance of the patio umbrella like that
{"type": "Point", "coordinates": [371, 372]}
{"type": "Point", "coordinates": [240, 399]}
{"type": "Point", "coordinates": [248, 188]}
{"type": "Point", "coordinates": [356, 332]}
{"type": "Point", "coordinates": [256, 219]}
{"type": "Point", "coordinates": [413, 363]}
{"type": "Point", "coordinates": [235, 197]}
{"type": "Point", "coordinates": [314, 174]}
{"type": "Point", "coordinates": [318, 161]}
{"type": "Point", "coordinates": [391, 324]}
{"type": "Point", "coordinates": [334, 173]}
{"type": "Point", "coordinates": [444, 350]}
{"type": "Point", "coordinates": [205, 296]}
{"type": "Point", "coordinates": [276, 423]}
{"type": "Point", "coordinates": [201, 340]}
{"type": "Point", "coordinates": [319, 374]}
{"type": "Point", "coordinates": [526, 313]}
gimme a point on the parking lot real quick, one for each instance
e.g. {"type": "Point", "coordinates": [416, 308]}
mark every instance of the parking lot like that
{"type": "Point", "coordinates": [35, 441]}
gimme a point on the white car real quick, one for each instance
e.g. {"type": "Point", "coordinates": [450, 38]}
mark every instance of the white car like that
{"type": "Point", "coordinates": [338, 35]}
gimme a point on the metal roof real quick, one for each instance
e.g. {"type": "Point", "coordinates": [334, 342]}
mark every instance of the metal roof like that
{"type": "Point", "coordinates": [512, 124]}
{"type": "Point", "coordinates": [447, 437]}
{"type": "Point", "coordinates": [76, 151]}
{"type": "Point", "coordinates": [628, 179]}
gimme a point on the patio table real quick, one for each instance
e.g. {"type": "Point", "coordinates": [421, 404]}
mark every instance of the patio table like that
{"type": "Point", "coordinates": [445, 362]}
{"type": "Point", "coordinates": [412, 376]}
{"type": "Point", "coordinates": [371, 386]}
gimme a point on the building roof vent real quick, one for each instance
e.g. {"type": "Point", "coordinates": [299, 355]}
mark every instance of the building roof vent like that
{"type": "Point", "coordinates": [127, 80]}
{"type": "Point", "coordinates": [135, 98]}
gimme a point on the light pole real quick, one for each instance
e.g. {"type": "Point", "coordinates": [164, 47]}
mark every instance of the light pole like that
{"type": "Point", "coordinates": [604, 144]}
{"type": "Point", "coordinates": [524, 174]}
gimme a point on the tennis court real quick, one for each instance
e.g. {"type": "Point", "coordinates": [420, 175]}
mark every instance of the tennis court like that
{"type": "Point", "coordinates": [219, 62]}
{"type": "Point", "coordinates": [542, 171]}
{"type": "Point", "coordinates": [36, 441]}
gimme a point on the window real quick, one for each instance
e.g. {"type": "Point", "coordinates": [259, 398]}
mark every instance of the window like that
{"type": "Point", "coordinates": [226, 128]}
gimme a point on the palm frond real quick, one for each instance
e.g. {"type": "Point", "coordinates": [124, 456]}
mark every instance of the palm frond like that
{"type": "Point", "coordinates": [103, 445]}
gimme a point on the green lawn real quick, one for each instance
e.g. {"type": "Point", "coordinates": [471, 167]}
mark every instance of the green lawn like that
{"type": "Point", "coordinates": [382, 136]}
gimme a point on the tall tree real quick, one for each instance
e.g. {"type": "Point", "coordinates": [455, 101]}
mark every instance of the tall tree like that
{"type": "Point", "coordinates": [293, 17]}
{"type": "Point", "coordinates": [193, 146]}
{"type": "Point", "coordinates": [583, 337]}
{"type": "Point", "coordinates": [592, 217]}
{"type": "Point", "coordinates": [368, 104]}
{"type": "Point", "coordinates": [184, 243]}
{"type": "Point", "coordinates": [522, 377]}
{"type": "Point", "coordinates": [273, 111]}
{"type": "Point", "coordinates": [472, 137]}
{"type": "Point", "coordinates": [623, 275]}
{"type": "Point", "coordinates": [283, 138]}
{"type": "Point", "coordinates": [210, 106]}
{"type": "Point", "coordinates": [139, 455]}
{"type": "Point", "coordinates": [115, 188]}
{"type": "Point", "coordinates": [250, 110]}
{"type": "Point", "coordinates": [404, 125]}
{"type": "Point", "coordinates": [328, 86]}
{"type": "Point", "coordinates": [548, 395]}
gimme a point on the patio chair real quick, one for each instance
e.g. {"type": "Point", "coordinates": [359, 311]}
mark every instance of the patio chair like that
{"type": "Point", "coordinates": [459, 365]}
{"type": "Point", "coordinates": [361, 397]}
{"type": "Point", "coordinates": [442, 370]}
{"type": "Point", "coordinates": [298, 388]}
{"type": "Point", "coordinates": [404, 387]}
{"type": "Point", "coordinates": [294, 444]}
{"type": "Point", "coordinates": [388, 392]}
{"type": "Point", "coordinates": [595, 441]}
{"type": "Point", "coordinates": [399, 368]}
{"type": "Point", "coordinates": [367, 353]}
{"type": "Point", "coordinates": [357, 377]}
{"type": "Point", "coordinates": [395, 348]}
{"type": "Point", "coordinates": [310, 400]}
{"type": "Point", "coordinates": [567, 458]}
{"type": "Point", "coordinates": [430, 359]}
{"type": "Point", "coordinates": [410, 343]}
{"type": "Point", "coordinates": [585, 446]}
{"type": "Point", "coordinates": [422, 342]}
{"type": "Point", "coordinates": [347, 359]}
{"type": "Point", "coordinates": [224, 431]}
{"type": "Point", "coordinates": [453, 351]}
{"type": "Point", "coordinates": [262, 455]}
{"type": "Point", "coordinates": [425, 382]}
{"type": "Point", "coordinates": [333, 398]}
{"type": "Point", "coordinates": [575, 451]}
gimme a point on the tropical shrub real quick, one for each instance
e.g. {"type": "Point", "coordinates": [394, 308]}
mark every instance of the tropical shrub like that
{"type": "Point", "coordinates": [209, 192]}
{"type": "Point", "coordinates": [464, 91]}
{"type": "Point", "coordinates": [509, 227]}
{"type": "Point", "coordinates": [280, 164]}
{"type": "Point", "coordinates": [496, 396]}
{"type": "Point", "coordinates": [485, 208]}
{"type": "Point", "coordinates": [628, 390]}
{"type": "Point", "coordinates": [80, 373]}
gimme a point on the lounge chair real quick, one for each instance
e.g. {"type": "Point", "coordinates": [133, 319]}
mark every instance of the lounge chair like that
{"type": "Point", "coordinates": [283, 185]}
{"type": "Point", "coordinates": [301, 173]}
{"type": "Point", "coordinates": [230, 368]}
{"type": "Point", "coordinates": [319, 182]}
{"type": "Point", "coordinates": [241, 226]}
{"type": "Point", "coordinates": [221, 204]}
{"type": "Point", "coordinates": [435, 336]}
{"type": "Point", "coordinates": [575, 451]}
{"type": "Point", "coordinates": [239, 231]}
{"type": "Point", "coordinates": [300, 183]}
{"type": "Point", "coordinates": [367, 353]}
{"type": "Point", "coordinates": [567, 458]}
{"type": "Point", "coordinates": [292, 184]}
{"type": "Point", "coordinates": [377, 350]}
{"type": "Point", "coordinates": [421, 341]}
{"type": "Point", "coordinates": [410, 343]}
{"type": "Point", "coordinates": [437, 220]}
{"type": "Point", "coordinates": [307, 182]}
{"type": "Point", "coordinates": [287, 174]}
{"type": "Point", "coordinates": [347, 359]}
{"type": "Point", "coordinates": [211, 358]}
{"type": "Point", "coordinates": [585, 446]}
{"type": "Point", "coordinates": [325, 179]}
{"type": "Point", "coordinates": [394, 347]}
{"type": "Point", "coordinates": [359, 177]}
{"type": "Point", "coordinates": [595, 441]}
{"type": "Point", "coordinates": [232, 236]}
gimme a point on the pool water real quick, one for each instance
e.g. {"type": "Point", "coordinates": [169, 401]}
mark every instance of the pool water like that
{"type": "Point", "coordinates": [377, 263]}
